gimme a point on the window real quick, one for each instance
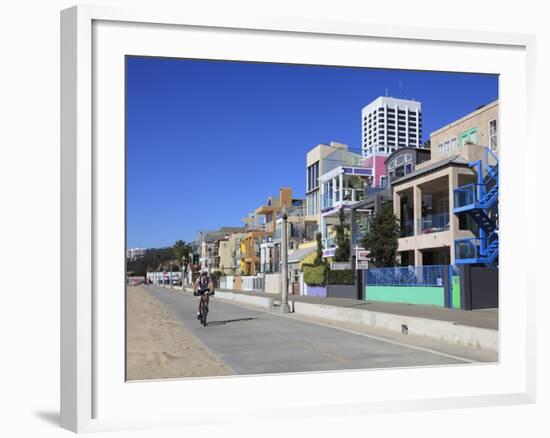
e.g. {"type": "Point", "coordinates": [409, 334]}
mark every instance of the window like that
{"type": "Point", "coordinates": [313, 176]}
{"type": "Point", "coordinates": [408, 168]}
{"type": "Point", "coordinates": [454, 144]}
{"type": "Point", "coordinates": [469, 136]}
{"type": "Point", "coordinates": [493, 141]}
{"type": "Point", "coordinates": [383, 181]}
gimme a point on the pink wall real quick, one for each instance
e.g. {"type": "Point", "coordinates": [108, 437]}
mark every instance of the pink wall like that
{"type": "Point", "coordinates": [376, 163]}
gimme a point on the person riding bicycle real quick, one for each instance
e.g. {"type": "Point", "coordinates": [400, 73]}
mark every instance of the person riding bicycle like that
{"type": "Point", "coordinates": [203, 285]}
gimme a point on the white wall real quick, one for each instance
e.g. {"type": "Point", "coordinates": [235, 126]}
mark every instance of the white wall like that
{"type": "Point", "coordinates": [29, 185]}
{"type": "Point", "coordinates": [273, 283]}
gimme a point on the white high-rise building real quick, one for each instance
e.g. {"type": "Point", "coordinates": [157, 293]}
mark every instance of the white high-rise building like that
{"type": "Point", "coordinates": [389, 124]}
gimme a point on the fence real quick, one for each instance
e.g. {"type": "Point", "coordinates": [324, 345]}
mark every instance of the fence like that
{"type": "Point", "coordinates": [411, 285]}
{"type": "Point", "coordinates": [253, 283]}
{"type": "Point", "coordinates": [408, 276]}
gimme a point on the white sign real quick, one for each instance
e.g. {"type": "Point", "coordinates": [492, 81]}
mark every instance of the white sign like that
{"type": "Point", "coordinates": [361, 254]}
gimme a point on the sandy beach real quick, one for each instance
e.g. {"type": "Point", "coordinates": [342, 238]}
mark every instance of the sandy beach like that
{"type": "Point", "coordinates": [158, 346]}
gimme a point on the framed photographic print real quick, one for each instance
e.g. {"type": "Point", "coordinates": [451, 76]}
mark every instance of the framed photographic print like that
{"type": "Point", "coordinates": [263, 208]}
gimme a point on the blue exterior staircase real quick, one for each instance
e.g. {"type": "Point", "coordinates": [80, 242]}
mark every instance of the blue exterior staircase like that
{"type": "Point", "coordinates": [480, 201]}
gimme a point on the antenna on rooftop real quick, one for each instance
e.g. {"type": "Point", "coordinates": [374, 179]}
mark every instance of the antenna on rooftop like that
{"type": "Point", "coordinates": [386, 92]}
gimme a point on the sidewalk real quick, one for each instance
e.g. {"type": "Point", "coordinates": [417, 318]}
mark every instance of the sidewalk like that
{"type": "Point", "coordinates": [487, 319]}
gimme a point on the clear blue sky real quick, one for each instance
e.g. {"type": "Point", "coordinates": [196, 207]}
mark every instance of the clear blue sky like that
{"type": "Point", "coordinates": [209, 141]}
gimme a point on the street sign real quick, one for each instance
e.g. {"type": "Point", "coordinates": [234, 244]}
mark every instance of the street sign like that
{"type": "Point", "coordinates": [361, 254]}
{"type": "Point", "coordinates": [362, 264]}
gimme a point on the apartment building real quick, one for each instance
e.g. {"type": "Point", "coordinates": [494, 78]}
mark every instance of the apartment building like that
{"type": "Point", "coordinates": [209, 246]}
{"type": "Point", "coordinates": [258, 246]}
{"type": "Point", "coordinates": [479, 127]}
{"type": "Point", "coordinates": [389, 124]}
{"type": "Point", "coordinates": [447, 206]}
{"type": "Point", "coordinates": [316, 165]}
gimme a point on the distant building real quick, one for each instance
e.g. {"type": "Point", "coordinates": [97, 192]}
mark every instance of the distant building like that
{"type": "Point", "coordinates": [389, 124]}
{"type": "Point", "coordinates": [209, 247]}
{"type": "Point", "coordinates": [135, 253]}
{"type": "Point", "coordinates": [259, 246]}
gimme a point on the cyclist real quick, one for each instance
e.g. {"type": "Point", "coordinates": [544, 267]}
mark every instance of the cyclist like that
{"type": "Point", "coordinates": [203, 285]}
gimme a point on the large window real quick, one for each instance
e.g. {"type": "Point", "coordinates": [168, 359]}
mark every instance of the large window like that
{"type": "Point", "coordinates": [313, 176]}
{"type": "Point", "coordinates": [313, 203]}
{"type": "Point", "coordinates": [493, 141]}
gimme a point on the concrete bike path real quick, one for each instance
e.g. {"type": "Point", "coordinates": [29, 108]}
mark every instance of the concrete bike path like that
{"type": "Point", "coordinates": [253, 341]}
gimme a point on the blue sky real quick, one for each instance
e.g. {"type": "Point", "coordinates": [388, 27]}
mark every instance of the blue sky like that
{"type": "Point", "coordinates": [209, 141]}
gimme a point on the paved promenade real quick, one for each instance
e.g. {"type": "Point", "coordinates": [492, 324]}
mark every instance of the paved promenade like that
{"type": "Point", "coordinates": [251, 341]}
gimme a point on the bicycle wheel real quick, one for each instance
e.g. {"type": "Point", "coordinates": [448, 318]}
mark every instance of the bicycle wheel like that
{"type": "Point", "coordinates": [201, 310]}
{"type": "Point", "coordinates": [204, 312]}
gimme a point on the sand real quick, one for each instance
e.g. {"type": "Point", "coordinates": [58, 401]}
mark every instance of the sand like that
{"type": "Point", "coordinates": [159, 347]}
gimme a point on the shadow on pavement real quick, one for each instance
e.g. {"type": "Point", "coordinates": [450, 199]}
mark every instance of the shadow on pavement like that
{"type": "Point", "coordinates": [229, 320]}
{"type": "Point", "coordinates": [51, 417]}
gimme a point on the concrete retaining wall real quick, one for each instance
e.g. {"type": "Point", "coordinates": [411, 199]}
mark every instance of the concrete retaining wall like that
{"type": "Point", "coordinates": [265, 302]}
{"type": "Point", "coordinates": [342, 291]}
{"type": "Point", "coordinates": [444, 331]}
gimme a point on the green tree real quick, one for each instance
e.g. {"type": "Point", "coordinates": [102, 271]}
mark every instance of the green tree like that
{"type": "Point", "coordinates": [319, 258]}
{"type": "Point", "coordinates": [181, 252]}
{"type": "Point", "coordinates": [381, 240]}
{"type": "Point", "coordinates": [342, 241]}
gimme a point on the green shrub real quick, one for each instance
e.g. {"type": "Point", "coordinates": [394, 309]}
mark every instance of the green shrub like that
{"type": "Point", "coordinates": [215, 276]}
{"type": "Point", "coordinates": [344, 276]}
{"type": "Point", "coordinates": [315, 275]}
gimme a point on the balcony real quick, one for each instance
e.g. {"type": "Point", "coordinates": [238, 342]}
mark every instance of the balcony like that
{"type": "Point", "coordinates": [476, 250]}
{"type": "Point", "coordinates": [346, 196]}
{"type": "Point", "coordinates": [407, 228]}
{"type": "Point", "coordinates": [465, 197]}
{"type": "Point", "coordinates": [433, 223]}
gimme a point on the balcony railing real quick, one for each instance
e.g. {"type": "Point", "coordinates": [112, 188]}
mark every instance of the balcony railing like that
{"type": "Point", "coordinates": [433, 223]}
{"type": "Point", "coordinates": [465, 196]}
{"type": "Point", "coordinates": [270, 267]}
{"type": "Point", "coordinates": [346, 195]}
{"type": "Point", "coordinates": [352, 195]}
{"type": "Point", "coordinates": [467, 248]}
{"type": "Point", "coordinates": [407, 228]}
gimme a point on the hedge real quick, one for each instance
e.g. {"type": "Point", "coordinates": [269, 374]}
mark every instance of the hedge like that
{"type": "Point", "coordinates": [315, 275]}
{"type": "Point", "coordinates": [343, 276]}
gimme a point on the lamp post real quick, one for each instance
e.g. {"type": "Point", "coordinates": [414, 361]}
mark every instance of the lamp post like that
{"type": "Point", "coordinates": [285, 308]}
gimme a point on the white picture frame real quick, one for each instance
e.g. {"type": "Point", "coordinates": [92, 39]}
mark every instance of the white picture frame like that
{"type": "Point", "coordinates": [93, 397]}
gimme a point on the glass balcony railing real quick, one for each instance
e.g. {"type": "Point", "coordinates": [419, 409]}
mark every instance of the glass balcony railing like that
{"type": "Point", "coordinates": [346, 195]}
{"type": "Point", "coordinates": [270, 267]}
{"type": "Point", "coordinates": [467, 248]}
{"type": "Point", "coordinates": [353, 195]}
{"type": "Point", "coordinates": [407, 228]}
{"type": "Point", "coordinates": [465, 195]}
{"type": "Point", "coordinates": [433, 223]}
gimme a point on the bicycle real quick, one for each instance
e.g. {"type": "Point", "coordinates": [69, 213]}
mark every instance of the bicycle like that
{"type": "Point", "coordinates": [203, 307]}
